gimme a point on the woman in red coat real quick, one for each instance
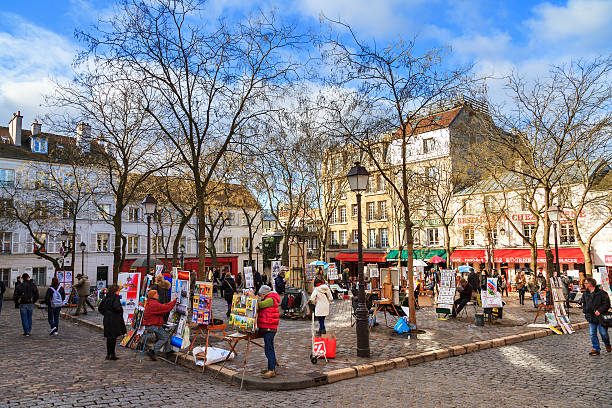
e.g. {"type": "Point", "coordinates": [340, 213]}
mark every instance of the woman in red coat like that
{"type": "Point", "coordinates": [267, 321]}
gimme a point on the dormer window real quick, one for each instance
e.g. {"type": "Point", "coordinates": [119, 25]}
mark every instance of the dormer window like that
{"type": "Point", "coordinates": [39, 144]}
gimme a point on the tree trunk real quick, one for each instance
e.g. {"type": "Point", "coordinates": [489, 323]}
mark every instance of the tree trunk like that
{"type": "Point", "coordinates": [409, 238]}
{"type": "Point", "coordinates": [201, 237]}
{"type": "Point", "coordinates": [285, 251]}
{"type": "Point", "coordinates": [546, 238]}
{"type": "Point", "coordinates": [118, 255]}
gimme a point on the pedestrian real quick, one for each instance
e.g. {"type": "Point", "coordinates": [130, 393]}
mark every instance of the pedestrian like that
{"type": "Point", "coordinates": [2, 290]}
{"type": "Point", "coordinates": [465, 295]}
{"type": "Point", "coordinates": [542, 280]}
{"type": "Point", "coordinates": [217, 282]}
{"type": "Point", "coordinates": [504, 285]}
{"type": "Point", "coordinates": [474, 282]}
{"type": "Point", "coordinates": [595, 302]}
{"type": "Point", "coordinates": [321, 296]}
{"type": "Point", "coordinates": [153, 321]}
{"type": "Point", "coordinates": [257, 280]}
{"type": "Point", "coordinates": [17, 283]}
{"type": "Point", "coordinates": [264, 279]}
{"type": "Point", "coordinates": [114, 326]}
{"type": "Point", "coordinates": [162, 286]}
{"type": "Point", "coordinates": [229, 288]}
{"type": "Point", "coordinates": [26, 295]}
{"type": "Point", "coordinates": [566, 281]}
{"type": "Point", "coordinates": [345, 278]}
{"type": "Point", "coordinates": [534, 287]}
{"type": "Point", "coordinates": [279, 283]}
{"type": "Point", "coordinates": [267, 321]}
{"type": "Point", "coordinates": [54, 299]}
{"type": "Point", "coordinates": [521, 282]}
{"type": "Point", "coordinates": [238, 280]}
{"type": "Point", "coordinates": [83, 288]}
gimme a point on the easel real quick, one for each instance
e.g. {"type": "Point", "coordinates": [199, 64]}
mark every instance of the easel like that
{"type": "Point", "coordinates": [543, 308]}
{"type": "Point", "coordinates": [209, 329]}
{"type": "Point", "coordinates": [385, 302]}
{"type": "Point", "coordinates": [233, 340]}
{"type": "Point", "coordinates": [558, 306]}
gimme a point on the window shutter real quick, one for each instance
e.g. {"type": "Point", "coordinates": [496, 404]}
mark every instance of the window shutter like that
{"type": "Point", "coordinates": [29, 245]}
{"type": "Point", "coordinates": [142, 245]}
{"type": "Point", "coordinates": [14, 275]}
{"type": "Point", "coordinates": [28, 270]}
{"type": "Point", "coordinates": [111, 242]}
{"type": "Point", "coordinates": [92, 243]}
{"type": "Point", "coordinates": [15, 238]}
{"type": "Point", "coordinates": [50, 274]}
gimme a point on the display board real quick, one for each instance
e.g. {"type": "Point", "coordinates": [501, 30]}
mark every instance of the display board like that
{"type": "Point", "coordinates": [558, 300]}
{"type": "Point", "coordinates": [202, 303]}
{"type": "Point", "coordinates": [65, 280]}
{"type": "Point", "coordinates": [605, 280]}
{"type": "Point", "coordinates": [179, 291]}
{"type": "Point", "coordinates": [244, 313]}
{"type": "Point", "coordinates": [446, 295]}
{"type": "Point", "coordinates": [373, 271]}
{"type": "Point", "coordinates": [129, 289]}
{"type": "Point", "coordinates": [310, 272]}
{"type": "Point", "coordinates": [249, 281]}
{"type": "Point", "coordinates": [332, 272]}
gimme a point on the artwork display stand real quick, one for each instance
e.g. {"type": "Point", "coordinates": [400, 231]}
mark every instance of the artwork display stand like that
{"type": "Point", "coordinates": [558, 306]}
{"type": "Point", "coordinates": [233, 340]}
{"type": "Point", "coordinates": [446, 294]}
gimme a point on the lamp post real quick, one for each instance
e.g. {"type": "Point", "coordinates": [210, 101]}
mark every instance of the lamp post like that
{"type": "Point", "coordinates": [358, 181]}
{"type": "Point", "coordinates": [150, 206]}
{"type": "Point", "coordinates": [553, 213]}
{"type": "Point", "coordinates": [83, 246]}
{"type": "Point", "coordinates": [257, 249]}
{"type": "Point", "coordinates": [182, 249]}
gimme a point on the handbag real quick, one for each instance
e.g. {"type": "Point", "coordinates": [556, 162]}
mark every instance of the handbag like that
{"type": "Point", "coordinates": [605, 319]}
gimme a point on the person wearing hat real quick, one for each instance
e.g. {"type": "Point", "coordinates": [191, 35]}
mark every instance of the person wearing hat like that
{"type": "Point", "coordinates": [153, 320]}
{"type": "Point", "coordinates": [83, 288]}
{"type": "Point", "coordinates": [267, 321]}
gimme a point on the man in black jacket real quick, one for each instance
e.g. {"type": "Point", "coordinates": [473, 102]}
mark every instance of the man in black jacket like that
{"type": "Point", "coordinates": [595, 302]}
{"type": "Point", "coordinates": [26, 295]}
{"type": "Point", "coordinates": [474, 281]}
{"type": "Point", "coordinates": [2, 290]}
{"type": "Point", "coordinates": [464, 297]}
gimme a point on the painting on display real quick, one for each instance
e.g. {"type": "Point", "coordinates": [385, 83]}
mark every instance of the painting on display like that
{"type": "Point", "coordinates": [332, 272]}
{"type": "Point", "coordinates": [249, 282]}
{"type": "Point", "coordinates": [129, 288]}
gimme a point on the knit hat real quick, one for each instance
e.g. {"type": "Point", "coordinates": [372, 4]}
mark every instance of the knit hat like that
{"type": "Point", "coordinates": [152, 293]}
{"type": "Point", "coordinates": [264, 290]}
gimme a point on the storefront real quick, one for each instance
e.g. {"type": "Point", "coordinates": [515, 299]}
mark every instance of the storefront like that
{"type": "Point", "coordinates": [225, 263]}
{"type": "Point", "coordinates": [349, 259]}
{"type": "Point", "coordinates": [422, 254]}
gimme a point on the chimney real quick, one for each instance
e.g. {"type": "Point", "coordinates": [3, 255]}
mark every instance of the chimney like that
{"type": "Point", "coordinates": [15, 128]}
{"type": "Point", "coordinates": [84, 136]}
{"type": "Point", "coordinates": [36, 127]}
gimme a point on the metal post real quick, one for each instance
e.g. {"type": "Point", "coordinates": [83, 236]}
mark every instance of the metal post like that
{"type": "Point", "coordinates": [82, 262]}
{"type": "Point", "coordinates": [363, 335]}
{"type": "Point", "coordinates": [148, 244]}
{"type": "Point", "coordinates": [557, 268]}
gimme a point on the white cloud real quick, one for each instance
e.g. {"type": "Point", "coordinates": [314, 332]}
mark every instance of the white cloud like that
{"type": "Point", "coordinates": [29, 57]}
{"type": "Point", "coordinates": [483, 46]}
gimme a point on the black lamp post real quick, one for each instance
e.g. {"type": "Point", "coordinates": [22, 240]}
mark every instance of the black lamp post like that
{"type": "Point", "coordinates": [553, 213]}
{"type": "Point", "coordinates": [182, 249]}
{"type": "Point", "coordinates": [358, 181]}
{"type": "Point", "coordinates": [257, 249]}
{"type": "Point", "coordinates": [150, 206]}
{"type": "Point", "coordinates": [83, 246]}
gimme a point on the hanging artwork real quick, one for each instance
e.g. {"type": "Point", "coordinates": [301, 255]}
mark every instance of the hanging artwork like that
{"type": "Point", "coordinates": [332, 272]}
{"type": "Point", "coordinates": [202, 303]}
{"type": "Point", "coordinates": [249, 282]}
{"type": "Point", "coordinates": [244, 313]}
{"type": "Point", "coordinates": [65, 281]}
{"type": "Point", "coordinates": [129, 288]}
{"type": "Point", "coordinates": [446, 295]}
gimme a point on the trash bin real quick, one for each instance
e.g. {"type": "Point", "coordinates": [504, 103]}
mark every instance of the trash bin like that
{"type": "Point", "coordinates": [479, 319]}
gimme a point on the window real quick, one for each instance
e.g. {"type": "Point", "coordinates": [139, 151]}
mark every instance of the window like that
{"type": "Point", "coordinates": [245, 244]}
{"type": "Point", "coordinates": [371, 215]}
{"type": "Point", "coordinates": [42, 238]}
{"type": "Point", "coordinates": [41, 180]}
{"type": "Point", "coordinates": [7, 177]}
{"type": "Point", "coordinates": [6, 242]}
{"type": "Point", "coordinates": [371, 238]}
{"type": "Point", "coordinates": [5, 276]}
{"type": "Point", "coordinates": [355, 236]}
{"type": "Point", "coordinates": [332, 216]}
{"type": "Point", "coordinates": [524, 202]}
{"type": "Point", "coordinates": [243, 220]}
{"type": "Point", "coordinates": [494, 236]}
{"type": "Point", "coordinates": [382, 210]}
{"type": "Point", "coordinates": [355, 209]}
{"type": "Point", "coordinates": [528, 231]}
{"type": "Point", "coordinates": [133, 214]}
{"type": "Point", "coordinates": [343, 238]}
{"type": "Point", "coordinates": [41, 208]}
{"type": "Point", "coordinates": [102, 242]}
{"type": "Point", "coordinates": [468, 236]}
{"type": "Point", "coordinates": [230, 219]}
{"type": "Point", "coordinates": [333, 238]}
{"type": "Point", "coordinates": [157, 244]}
{"type": "Point", "coordinates": [39, 275]}
{"type": "Point", "coordinates": [68, 209]}
{"type": "Point", "coordinates": [183, 242]}
{"type": "Point", "coordinates": [416, 237]}
{"type": "Point", "coordinates": [6, 204]}
{"type": "Point", "coordinates": [428, 145]}
{"type": "Point", "coordinates": [432, 237]}
{"type": "Point", "coordinates": [340, 189]}
{"type": "Point", "coordinates": [104, 211]}
{"type": "Point", "coordinates": [227, 245]}
{"type": "Point", "coordinates": [567, 234]}
{"type": "Point", "coordinates": [490, 204]}
{"type": "Point", "coordinates": [384, 237]}
{"type": "Point", "coordinates": [342, 211]}
{"type": "Point", "coordinates": [312, 243]}
{"type": "Point", "coordinates": [464, 206]}
{"type": "Point", "coordinates": [132, 244]}
{"type": "Point", "coordinates": [431, 172]}
{"type": "Point", "coordinates": [371, 185]}
{"type": "Point", "coordinates": [380, 183]}
{"type": "Point", "coordinates": [39, 144]}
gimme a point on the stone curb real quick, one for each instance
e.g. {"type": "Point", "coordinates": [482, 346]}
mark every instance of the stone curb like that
{"type": "Point", "coordinates": [314, 378]}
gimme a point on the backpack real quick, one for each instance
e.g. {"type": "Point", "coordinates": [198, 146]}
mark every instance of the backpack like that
{"type": "Point", "coordinates": [56, 298]}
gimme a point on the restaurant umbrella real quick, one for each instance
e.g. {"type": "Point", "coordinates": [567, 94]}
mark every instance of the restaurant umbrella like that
{"type": "Point", "coordinates": [436, 260]}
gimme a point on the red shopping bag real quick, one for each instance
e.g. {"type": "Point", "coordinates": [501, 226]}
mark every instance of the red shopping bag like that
{"type": "Point", "coordinates": [325, 347]}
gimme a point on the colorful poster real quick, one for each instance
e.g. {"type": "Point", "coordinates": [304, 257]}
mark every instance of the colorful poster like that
{"type": "Point", "coordinates": [332, 272]}
{"type": "Point", "coordinates": [129, 288]}
{"type": "Point", "coordinates": [491, 286]}
{"type": "Point", "coordinates": [249, 282]}
{"type": "Point", "coordinates": [202, 303]}
{"type": "Point", "coordinates": [310, 272]}
{"type": "Point", "coordinates": [244, 313]}
{"type": "Point", "coordinates": [605, 279]}
{"type": "Point", "coordinates": [65, 280]}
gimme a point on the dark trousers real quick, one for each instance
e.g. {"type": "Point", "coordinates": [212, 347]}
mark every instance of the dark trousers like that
{"type": "Point", "coordinates": [25, 312]}
{"type": "Point", "coordinates": [269, 349]}
{"type": "Point", "coordinates": [0, 303]}
{"type": "Point", "coordinates": [111, 342]}
{"type": "Point", "coordinates": [521, 293]}
{"type": "Point", "coordinates": [53, 314]}
{"type": "Point", "coordinates": [321, 324]}
{"type": "Point", "coordinates": [459, 305]}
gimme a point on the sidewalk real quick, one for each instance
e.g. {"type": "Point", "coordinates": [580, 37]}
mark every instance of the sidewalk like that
{"type": "Point", "coordinates": [441, 339]}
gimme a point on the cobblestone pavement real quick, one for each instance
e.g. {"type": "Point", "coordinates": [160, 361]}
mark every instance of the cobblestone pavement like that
{"type": "Point", "coordinates": [294, 336]}
{"type": "Point", "coordinates": [69, 371]}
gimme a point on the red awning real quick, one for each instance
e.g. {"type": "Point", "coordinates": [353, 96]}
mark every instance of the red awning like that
{"type": "Point", "coordinates": [367, 257]}
{"type": "Point", "coordinates": [566, 255]}
{"type": "Point", "coordinates": [468, 255]}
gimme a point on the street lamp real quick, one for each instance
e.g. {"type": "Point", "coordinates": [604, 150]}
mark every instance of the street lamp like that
{"type": "Point", "coordinates": [82, 246]}
{"type": "Point", "coordinates": [358, 181]}
{"type": "Point", "coordinates": [553, 214]}
{"type": "Point", "coordinates": [150, 206]}
{"type": "Point", "coordinates": [182, 249]}
{"type": "Point", "coordinates": [257, 249]}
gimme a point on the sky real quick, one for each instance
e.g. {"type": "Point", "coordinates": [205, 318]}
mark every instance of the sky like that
{"type": "Point", "coordinates": [37, 43]}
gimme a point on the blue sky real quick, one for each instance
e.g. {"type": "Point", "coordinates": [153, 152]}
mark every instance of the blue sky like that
{"type": "Point", "coordinates": [37, 41]}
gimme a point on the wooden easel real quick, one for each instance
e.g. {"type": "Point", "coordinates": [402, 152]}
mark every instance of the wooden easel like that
{"type": "Point", "coordinates": [542, 309]}
{"type": "Point", "coordinates": [205, 331]}
{"type": "Point", "coordinates": [233, 340]}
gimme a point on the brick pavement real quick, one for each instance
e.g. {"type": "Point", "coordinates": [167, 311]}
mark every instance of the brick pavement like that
{"type": "Point", "coordinates": [293, 340]}
{"type": "Point", "coordinates": [69, 370]}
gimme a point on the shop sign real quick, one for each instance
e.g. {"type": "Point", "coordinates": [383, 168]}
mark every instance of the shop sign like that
{"type": "Point", "coordinates": [608, 260]}
{"type": "Point", "coordinates": [472, 219]}
{"type": "Point", "coordinates": [431, 222]}
{"type": "Point", "coordinates": [523, 217]}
